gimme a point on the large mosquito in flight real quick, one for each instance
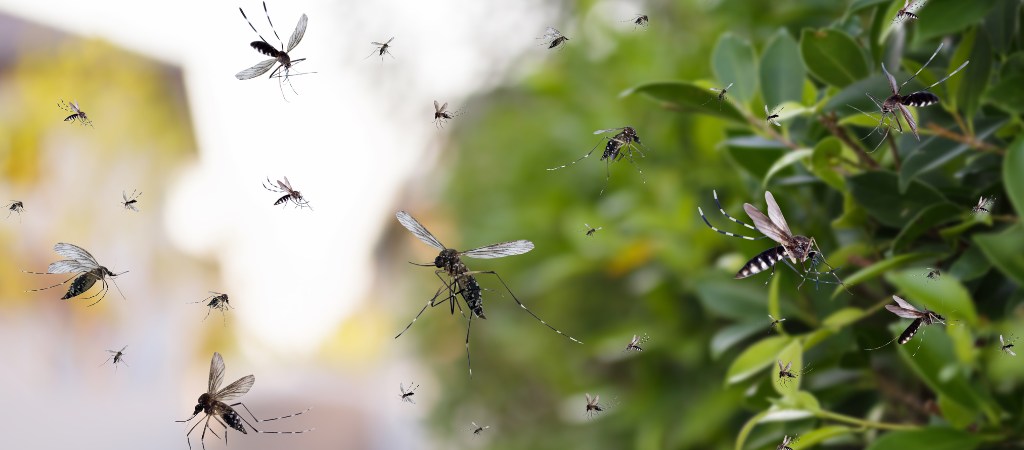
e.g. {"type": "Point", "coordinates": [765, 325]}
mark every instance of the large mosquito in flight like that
{"type": "Point", "coordinates": [904, 309]}
{"type": "Point", "coordinates": [618, 146]}
{"type": "Point", "coordinates": [461, 280]}
{"type": "Point", "coordinates": [793, 249]}
{"type": "Point", "coordinates": [281, 57]}
{"type": "Point", "coordinates": [213, 404]}
{"type": "Point", "coordinates": [87, 272]}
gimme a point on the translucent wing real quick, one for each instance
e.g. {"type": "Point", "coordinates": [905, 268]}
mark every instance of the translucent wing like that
{"type": "Point", "coordinates": [607, 131]}
{"type": "Point", "coordinates": [443, 107]}
{"type": "Point", "coordinates": [437, 107]}
{"type": "Point", "coordinates": [389, 40]}
{"type": "Point", "coordinates": [776, 214]}
{"type": "Point", "coordinates": [893, 86]}
{"type": "Point", "coordinates": [764, 224]}
{"type": "Point", "coordinates": [74, 106]}
{"type": "Point", "coordinates": [780, 365]}
{"type": "Point", "coordinates": [904, 310]}
{"type": "Point", "coordinates": [236, 389]}
{"type": "Point", "coordinates": [1001, 341]}
{"type": "Point", "coordinates": [76, 253]}
{"type": "Point", "coordinates": [216, 373]}
{"type": "Point", "coordinates": [499, 250]}
{"type": "Point", "coordinates": [287, 184]}
{"type": "Point", "coordinates": [412, 225]}
{"type": "Point", "coordinates": [788, 365]}
{"type": "Point", "coordinates": [68, 266]}
{"type": "Point", "coordinates": [903, 303]}
{"type": "Point", "coordinates": [597, 398]}
{"type": "Point", "coordinates": [551, 33]}
{"type": "Point", "coordinates": [300, 30]}
{"type": "Point", "coordinates": [259, 69]}
{"type": "Point", "coordinates": [589, 402]}
{"type": "Point", "coordinates": [910, 119]}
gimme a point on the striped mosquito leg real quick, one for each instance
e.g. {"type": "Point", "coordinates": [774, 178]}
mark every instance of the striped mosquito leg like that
{"type": "Point", "coordinates": [429, 303]}
{"type": "Point", "coordinates": [706, 222]}
{"type": "Point", "coordinates": [631, 161]}
{"type": "Point", "coordinates": [521, 305]}
{"type": "Point", "coordinates": [722, 210]}
{"type": "Point", "coordinates": [268, 420]}
{"type": "Point", "coordinates": [469, 362]}
{"type": "Point", "coordinates": [578, 160]}
{"type": "Point", "coordinates": [765, 260]}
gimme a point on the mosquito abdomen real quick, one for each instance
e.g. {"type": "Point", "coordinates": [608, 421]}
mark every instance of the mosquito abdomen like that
{"type": "Point", "coordinates": [764, 261]}
{"type": "Point", "coordinates": [908, 334]}
{"type": "Point", "coordinates": [232, 420]}
{"type": "Point", "coordinates": [80, 285]}
{"type": "Point", "coordinates": [265, 48]}
{"type": "Point", "coordinates": [923, 98]}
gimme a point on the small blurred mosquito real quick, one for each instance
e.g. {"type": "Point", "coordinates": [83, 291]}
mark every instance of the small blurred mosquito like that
{"type": "Point", "coordinates": [87, 272]}
{"type": "Point", "coordinates": [76, 112]}
{"type": "Point", "coordinates": [933, 273]}
{"type": "Point", "coordinates": [130, 200]}
{"type": "Point", "coordinates": [639, 20]}
{"type": "Point", "coordinates": [553, 38]}
{"type": "Point", "coordinates": [290, 194]}
{"type": "Point", "coordinates": [907, 11]}
{"type": "Point", "coordinates": [984, 205]}
{"type": "Point", "coordinates": [786, 440]}
{"type": "Point", "coordinates": [213, 404]}
{"type": "Point", "coordinates": [15, 206]}
{"type": "Point", "coordinates": [616, 147]}
{"type": "Point", "coordinates": [634, 344]}
{"type": "Point", "coordinates": [786, 373]}
{"type": "Point", "coordinates": [442, 115]}
{"type": "Point", "coordinates": [591, 230]}
{"type": "Point", "coordinates": [1007, 344]}
{"type": "Point", "coordinates": [773, 116]}
{"type": "Point", "coordinates": [775, 323]}
{"type": "Point", "coordinates": [382, 49]}
{"type": "Point", "coordinates": [593, 406]}
{"type": "Point", "coordinates": [117, 356]}
{"type": "Point", "coordinates": [904, 309]}
{"type": "Point", "coordinates": [406, 395]}
{"type": "Point", "coordinates": [477, 429]}
{"type": "Point", "coordinates": [720, 96]}
{"type": "Point", "coordinates": [281, 57]}
{"type": "Point", "coordinates": [216, 301]}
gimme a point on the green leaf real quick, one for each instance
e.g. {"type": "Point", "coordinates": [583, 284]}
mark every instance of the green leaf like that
{"type": "Point", "coordinates": [936, 151]}
{"type": "Point", "coordinates": [927, 219]}
{"type": "Point", "coordinates": [733, 60]}
{"type": "Point", "coordinates": [881, 267]}
{"type": "Point", "coordinates": [756, 358]}
{"type": "Point", "coordinates": [817, 436]}
{"type": "Point", "coordinates": [786, 160]}
{"type": "Point", "coordinates": [877, 193]}
{"type": "Point", "coordinates": [832, 56]}
{"type": "Point", "coordinates": [858, 5]}
{"type": "Point", "coordinates": [1005, 250]}
{"type": "Point", "coordinates": [944, 294]}
{"type": "Point", "coordinates": [930, 355]}
{"type": "Point", "coordinates": [725, 297]}
{"type": "Point", "coordinates": [971, 265]}
{"type": "Point", "coordinates": [974, 79]}
{"type": "Point", "coordinates": [741, 438]}
{"type": "Point", "coordinates": [825, 158]}
{"type": "Point", "coordinates": [684, 97]}
{"type": "Point", "coordinates": [782, 71]}
{"type": "Point", "coordinates": [1003, 25]}
{"type": "Point", "coordinates": [1013, 174]}
{"type": "Point", "coordinates": [791, 354]}
{"type": "Point", "coordinates": [931, 438]}
{"type": "Point", "coordinates": [731, 335]}
{"type": "Point", "coordinates": [1007, 94]}
{"type": "Point", "coordinates": [754, 153]}
{"type": "Point", "coordinates": [942, 17]}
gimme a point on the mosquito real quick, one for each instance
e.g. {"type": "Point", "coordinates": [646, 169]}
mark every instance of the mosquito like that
{"type": "Point", "coordinates": [281, 57]}
{"type": "Point", "coordinates": [793, 249]}
{"type": "Point", "coordinates": [15, 206]}
{"type": "Point", "coordinates": [76, 112]}
{"type": "Point", "coordinates": [591, 230]}
{"type": "Point", "coordinates": [462, 281]}
{"type": "Point", "coordinates": [1007, 344]}
{"type": "Point", "coordinates": [773, 116]}
{"type": "Point", "coordinates": [130, 200]}
{"type": "Point", "coordinates": [87, 272]}
{"type": "Point", "coordinates": [896, 104]}
{"type": "Point", "coordinates": [442, 115]}
{"type": "Point", "coordinates": [721, 95]}
{"type": "Point", "coordinates": [639, 20]}
{"type": "Point", "coordinates": [775, 323]}
{"type": "Point", "coordinates": [213, 403]}
{"type": "Point", "coordinates": [933, 273]}
{"type": "Point", "coordinates": [117, 356]}
{"type": "Point", "coordinates": [382, 49]}
{"type": "Point", "coordinates": [906, 310]}
{"type": "Point", "coordinates": [984, 205]}
{"type": "Point", "coordinates": [786, 373]}
{"type": "Point", "coordinates": [216, 301]}
{"type": "Point", "coordinates": [634, 344]}
{"type": "Point", "coordinates": [553, 38]}
{"type": "Point", "coordinates": [477, 429]}
{"type": "Point", "coordinates": [786, 440]}
{"type": "Point", "coordinates": [616, 147]}
{"type": "Point", "coordinates": [290, 194]}
{"type": "Point", "coordinates": [593, 406]}
{"type": "Point", "coordinates": [907, 11]}
{"type": "Point", "coordinates": [406, 395]}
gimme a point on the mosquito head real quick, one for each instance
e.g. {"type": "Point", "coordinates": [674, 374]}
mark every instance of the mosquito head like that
{"type": "Point", "coordinates": [803, 248]}
{"type": "Point", "coordinates": [201, 404]}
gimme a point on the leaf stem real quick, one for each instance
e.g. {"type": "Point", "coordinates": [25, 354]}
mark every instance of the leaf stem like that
{"type": "Point", "coordinates": [864, 423]}
{"type": "Point", "coordinates": [968, 140]}
{"type": "Point", "coordinates": [830, 122]}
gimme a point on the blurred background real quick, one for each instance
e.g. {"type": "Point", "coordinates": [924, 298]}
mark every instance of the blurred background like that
{"type": "Point", "coordinates": [318, 295]}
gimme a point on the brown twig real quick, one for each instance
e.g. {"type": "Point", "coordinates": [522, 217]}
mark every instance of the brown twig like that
{"type": "Point", "coordinates": [967, 140]}
{"type": "Point", "coordinates": [895, 152]}
{"type": "Point", "coordinates": [830, 122]}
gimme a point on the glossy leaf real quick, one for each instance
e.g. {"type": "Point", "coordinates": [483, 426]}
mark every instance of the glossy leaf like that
{"type": "Point", "coordinates": [941, 17]}
{"type": "Point", "coordinates": [878, 193]}
{"type": "Point", "coordinates": [733, 60]}
{"type": "Point", "coordinates": [832, 57]}
{"type": "Point", "coordinates": [687, 97]}
{"type": "Point", "coordinates": [756, 358]}
{"type": "Point", "coordinates": [782, 70]}
{"type": "Point", "coordinates": [1013, 174]}
{"type": "Point", "coordinates": [1005, 250]}
{"type": "Point", "coordinates": [931, 438]}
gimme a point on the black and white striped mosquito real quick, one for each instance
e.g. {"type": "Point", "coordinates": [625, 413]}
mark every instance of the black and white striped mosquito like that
{"type": "Point", "coordinates": [639, 20]}
{"type": "Point", "coordinates": [382, 49]}
{"type": "Point", "coordinates": [786, 440]}
{"type": "Point", "coordinates": [907, 12]}
{"type": "Point", "coordinates": [130, 201]}
{"type": "Point", "coordinates": [462, 281]}
{"type": "Point", "coordinates": [442, 115]}
{"type": "Point", "coordinates": [896, 104]}
{"type": "Point", "coordinates": [933, 273]}
{"type": "Point", "coordinates": [290, 194]}
{"type": "Point", "coordinates": [553, 38]}
{"type": "Point", "coordinates": [634, 344]}
{"type": "Point", "coordinates": [773, 116]}
{"type": "Point", "coordinates": [216, 301]}
{"type": "Point", "coordinates": [984, 205]}
{"type": "Point", "coordinates": [406, 395]}
{"type": "Point", "coordinates": [87, 272]}
{"type": "Point", "coordinates": [213, 403]}
{"type": "Point", "coordinates": [76, 112]}
{"type": "Point", "coordinates": [591, 230]}
{"type": "Point", "coordinates": [616, 147]}
{"type": "Point", "coordinates": [280, 57]}
{"type": "Point", "coordinates": [904, 309]}
{"type": "Point", "coordinates": [786, 373]}
{"type": "Point", "coordinates": [720, 96]}
{"type": "Point", "coordinates": [594, 407]}
{"type": "Point", "coordinates": [117, 356]}
{"type": "Point", "coordinates": [15, 206]}
{"type": "Point", "coordinates": [477, 429]}
{"type": "Point", "coordinates": [793, 249]}
{"type": "Point", "coordinates": [775, 323]}
{"type": "Point", "coordinates": [1007, 344]}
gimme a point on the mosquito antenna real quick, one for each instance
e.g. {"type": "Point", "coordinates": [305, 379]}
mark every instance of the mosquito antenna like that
{"type": "Point", "coordinates": [272, 25]}
{"type": "Point", "coordinates": [422, 265]}
{"type": "Point", "coordinates": [922, 67]}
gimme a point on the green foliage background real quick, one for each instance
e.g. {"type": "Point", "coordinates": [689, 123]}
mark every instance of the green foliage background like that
{"type": "Point", "coordinates": [705, 379]}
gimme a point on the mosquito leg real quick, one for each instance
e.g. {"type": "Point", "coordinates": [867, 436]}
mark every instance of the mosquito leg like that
{"type": "Point", "coordinates": [708, 223]}
{"type": "Point", "coordinates": [631, 161]}
{"type": "Point", "coordinates": [607, 175]}
{"type": "Point", "coordinates": [578, 160]}
{"type": "Point", "coordinates": [521, 305]}
{"type": "Point", "coordinates": [429, 303]}
{"type": "Point", "coordinates": [771, 275]}
{"type": "Point", "coordinates": [49, 287]}
{"type": "Point", "coordinates": [268, 420]}
{"type": "Point", "coordinates": [469, 362]}
{"type": "Point", "coordinates": [102, 293]}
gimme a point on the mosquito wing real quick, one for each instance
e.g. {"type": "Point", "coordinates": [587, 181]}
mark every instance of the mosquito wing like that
{"type": "Point", "coordinates": [216, 373]}
{"type": "Point", "coordinates": [389, 41]}
{"type": "Point", "coordinates": [608, 130]}
{"type": "Point", "coordinates": [76, 253]}
{"type": "Point", "coordinates": [236, 389]}
{"type": "Point", "coordinates": [551, 33]}
{"type": "Point", "coordinates": [420, 231]}
{"type": "Point", "coordinates": [1001, 341]}
{"type": "Point", "coordinates": [74, 106]}
{"type": "Point", "coordinates": [437, 107]}
{"type": "Point", "coordinates": [257, 70]}
{"type": "Point", "coordinates": [788, 365]}
{"type": "Point", "coordinates": [910, 119]}
{"type": "Point", "coordinates": [589, 402]}
{"type": "Point", "coordinates": [780, 365]}
{"type": "Point", "coordinates": [443, 107]}
{"type": "Point", "coordinates": [764, 224]}
{"type": "Point", "coordinates": [776, 214]}
{"type": "Point", "coordinates": [500, 250]}
{"type": "Point", "coordinates": [287, 185]}
{"type": "Point", "coordinates": [68, 266]}
{"type": "Point", "coordinates": [300, 30]}
{"type": "Point", "coordinates": [893, 86]}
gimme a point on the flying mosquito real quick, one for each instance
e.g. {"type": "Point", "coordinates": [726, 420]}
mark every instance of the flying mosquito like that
{"type": "Point", "coordinates": [786, 374]}
{"type": "Point", "coordinates": [281, 57]}
{"type": "Point", "coordinates": [721, 95]}
{"type": "Point", "coordinates": [15, 206]}
{"type": "Point", "coordinates": [907, 11]}
{"type": "Point", "coordinates": [896, 104]}
{"type": "Point", "coordinates": [130, 200]}
{"type": "Point", "coordinates": [406, 395]}
{"type": "Point", "coordinates": [591, 230]}
{"type": "Point", "coordinates": [634, 344]}
{"type": "Point", "coordinates": [477, 429]}
{"type": "Point", "coordinates": [117, 356]}
{"type": "Point", "coordinates": [442, 115]}
{"type": "Point", "coordinates": [87, 272]}
{"type": "Point", "coordinates": [1007, 344]}
{"type": "Point", "coordinates": [461, 280]}
{"type": "Point", "coordinates": [773, 116]}
{"type": "Point", "coordinates": [290, 194]}
{"type": "Point", "coordinates": [382, 49]}
{"type": "Point", "coordinates": [616, 147]}
{"type": "Point", "coordinates": [639, 20]}
{"type": "Point", "coordinates": [593, 406]}
{"type": "Point", "coordinates": [775, 323]}
{"type": "Point", "coordinates": [213, 403]}
{"type": "Point", "coordinates": [794, 249]}
{"type": "Point", "coordinates": [984, 205]}
{"type": "Point", "coordinates": [786, 440]}
{"type": "Point", "coordinates": [216, 301]}
{"type": "Point", "coordinates": [906, 310]}
{"type": "Point", "coordinates": [76, 112]}
{"type": "Point", "coordinates": [933, 273]}
{"type": "Point", "coordinates": [553, 38]}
